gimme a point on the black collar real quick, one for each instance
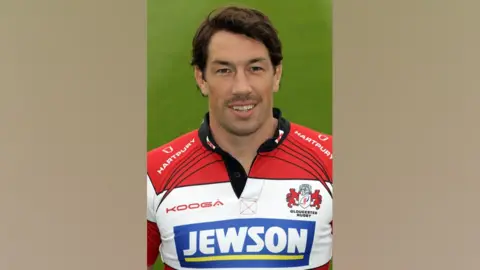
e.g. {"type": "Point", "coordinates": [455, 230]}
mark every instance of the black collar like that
{"type": "Point", "coordinates": [281, 133]}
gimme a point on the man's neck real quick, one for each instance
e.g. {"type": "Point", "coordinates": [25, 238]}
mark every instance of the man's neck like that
{"type": "Point", "coordinates": [244, 148]}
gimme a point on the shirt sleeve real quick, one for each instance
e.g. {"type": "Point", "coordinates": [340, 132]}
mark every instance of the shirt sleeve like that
{"type": "Point", "coordinates": [330, 170]}
{"type": "Point", "coordinates": [153, 233]}
{"type": "Point", "coordinates": [329, 146]}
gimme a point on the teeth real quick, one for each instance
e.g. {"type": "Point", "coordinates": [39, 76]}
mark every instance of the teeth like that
{"type": "Point", "coordinates": [243, 108]}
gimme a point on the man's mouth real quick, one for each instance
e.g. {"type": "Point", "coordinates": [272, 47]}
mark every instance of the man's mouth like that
{"type": "Point", "coordinates": [243, 108]}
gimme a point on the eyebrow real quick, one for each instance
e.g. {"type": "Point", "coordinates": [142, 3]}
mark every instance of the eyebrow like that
{"type": "Point", "coordinates": [227, 63]}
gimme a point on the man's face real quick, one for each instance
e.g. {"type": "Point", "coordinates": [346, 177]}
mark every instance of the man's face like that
{"type": "Point", "coordinates": [239, 81]}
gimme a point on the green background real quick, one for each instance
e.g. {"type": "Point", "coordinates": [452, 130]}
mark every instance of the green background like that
{"type": "Point", "coordinates": [175, 106]}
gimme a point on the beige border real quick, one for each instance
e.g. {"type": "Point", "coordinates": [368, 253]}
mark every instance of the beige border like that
{"type": "Point", "coordinates": [73, 135]}
{"type": "Point", "coordinates": [406, 143]}
{"type": "Point", "coordinates": [73, 142]}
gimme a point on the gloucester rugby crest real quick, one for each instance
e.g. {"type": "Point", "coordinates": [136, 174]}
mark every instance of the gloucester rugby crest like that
{"type": "Point", "coordinates": [304, 198]}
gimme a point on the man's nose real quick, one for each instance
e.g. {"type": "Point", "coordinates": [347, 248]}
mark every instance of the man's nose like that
{"type": "Point", "coordinates": [241, 83]}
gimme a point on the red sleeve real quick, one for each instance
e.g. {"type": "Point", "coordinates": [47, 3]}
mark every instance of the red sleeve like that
{"type": "Point", "coordinates": [323, 267]}
{"type": "Point", "coordinates": [153, 242]}
{"type": "Point", "coordinates": [328, 143]}
{"type": "Point", "coordinates": [326, 153]}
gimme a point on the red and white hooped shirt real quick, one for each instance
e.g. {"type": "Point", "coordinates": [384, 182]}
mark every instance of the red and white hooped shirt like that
{"type": "Point", "coordinates": [205, 212]}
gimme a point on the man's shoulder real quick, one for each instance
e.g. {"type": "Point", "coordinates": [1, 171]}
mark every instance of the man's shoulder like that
{"type": "Point", "coordinates": [166, 157]}
{"type": "Point", "coordinates": [315, 141]}
{"type": "Point", "coordinates": [166, 149]}
{"type": "Point", "coordinates": [308, 135]}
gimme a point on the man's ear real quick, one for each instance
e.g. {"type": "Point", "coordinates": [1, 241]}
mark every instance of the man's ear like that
{"type": "Point", "coordinates": [200, 79]}
{"type": "Point", "coordinates": [277, 78]}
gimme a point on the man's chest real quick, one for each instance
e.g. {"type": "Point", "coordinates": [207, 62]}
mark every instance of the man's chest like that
{"type": "Point", "coordinates": [296, 199]}
{"type": "Point", "coordinates": [278, 221]}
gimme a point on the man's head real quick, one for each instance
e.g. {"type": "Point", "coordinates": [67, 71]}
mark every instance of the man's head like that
{"type": "Point", "coordinates": [237, 57]}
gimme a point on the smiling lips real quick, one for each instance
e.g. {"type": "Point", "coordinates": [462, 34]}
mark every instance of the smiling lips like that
{"type": "Point", "coordinates": [242, 109]}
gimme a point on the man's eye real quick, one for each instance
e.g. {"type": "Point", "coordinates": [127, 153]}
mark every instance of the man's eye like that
{"type": "Point", "coordinates": [223, 71]}
{"type": "Point", "coordinates": [256, 69]}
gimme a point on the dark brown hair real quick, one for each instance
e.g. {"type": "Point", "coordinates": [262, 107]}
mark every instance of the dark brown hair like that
{"type": "Point", "coordinates": [238, 20]}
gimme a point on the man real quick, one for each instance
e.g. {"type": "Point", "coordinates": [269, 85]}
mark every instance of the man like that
{"type": "Point", "coordinates": [248, 189]}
